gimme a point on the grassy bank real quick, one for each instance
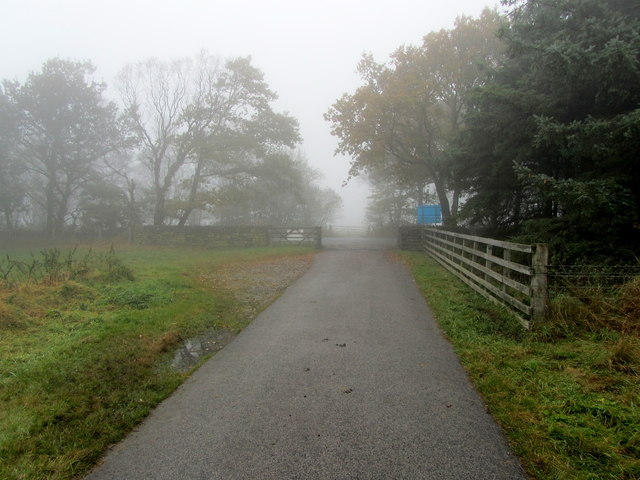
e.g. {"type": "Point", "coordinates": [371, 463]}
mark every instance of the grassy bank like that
{"type": "Point", "coordinates": [567, 398]}
{"type": "Point", "coordinates": [86, 342]}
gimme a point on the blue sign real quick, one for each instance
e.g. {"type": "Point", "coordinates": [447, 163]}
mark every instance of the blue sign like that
{"type": "Point", "coordinates": [429, 214]}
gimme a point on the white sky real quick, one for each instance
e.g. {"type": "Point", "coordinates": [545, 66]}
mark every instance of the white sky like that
{"type": "Point", "coordinates": [308, 51]}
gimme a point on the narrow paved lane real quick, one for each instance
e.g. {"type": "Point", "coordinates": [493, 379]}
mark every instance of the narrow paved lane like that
{"type": "Point", "coordinates": [346, 376]}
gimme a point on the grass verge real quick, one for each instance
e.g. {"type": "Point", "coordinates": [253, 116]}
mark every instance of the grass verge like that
{"type": "Point", "coordinates": [85, 356]}
{"type": "Point", "coordinates": [567, 399]}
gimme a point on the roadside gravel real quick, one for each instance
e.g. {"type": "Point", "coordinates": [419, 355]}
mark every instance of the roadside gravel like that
{"type": "Point", "coordinates": [255, 285]}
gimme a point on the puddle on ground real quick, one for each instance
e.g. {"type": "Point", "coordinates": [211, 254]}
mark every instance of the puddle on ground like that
{"type": "Point", "coordinates": [195, 348]}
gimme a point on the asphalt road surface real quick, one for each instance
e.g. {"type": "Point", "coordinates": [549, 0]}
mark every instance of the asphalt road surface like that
{"type": "Point", "coordinates": [346, 376]}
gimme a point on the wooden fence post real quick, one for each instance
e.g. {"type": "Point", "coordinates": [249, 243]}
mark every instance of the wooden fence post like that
{"type": "Point", "coordinates": [539, 295]}
{"type": "Point", "coordinates": [487, 263]}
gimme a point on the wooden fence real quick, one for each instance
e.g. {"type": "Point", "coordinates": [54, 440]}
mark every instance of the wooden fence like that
{"type": "Point", "coordinates": [219, 236]}
{"type": "Point", "coordinates": [510, 274]}
{"type": "Point", "coordinates": [296, 236]}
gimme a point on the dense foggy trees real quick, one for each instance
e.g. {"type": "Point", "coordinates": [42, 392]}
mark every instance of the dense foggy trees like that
{"type": "Point", "coordinates": [62, 126]}
{"type": "Point", "coordinates": [103, 207]}
{"type": "Point", "coordinates": [200, 116]}
{"type": "Point", "coordinates": [523, 125]}
{"type": "Point", "coordinates": [280, 190]}
{"type": "Point", "coordinates": [407, 111]}
{"type": "Point", "coordinates": [552, 143]}
{"type": "Point", "coordinates": [533, 120]}
{"type": "Point", "coordinates": [188, 132]}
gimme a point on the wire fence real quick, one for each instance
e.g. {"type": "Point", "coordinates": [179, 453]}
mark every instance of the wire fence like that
{"type": "Point", "coordinates": [584, 280]}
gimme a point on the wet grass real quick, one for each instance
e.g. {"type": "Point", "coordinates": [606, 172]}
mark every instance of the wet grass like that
{"type": "Point", "coordinates": [83, 359]}
{"type": "Point", "coordinates": [567, 398]}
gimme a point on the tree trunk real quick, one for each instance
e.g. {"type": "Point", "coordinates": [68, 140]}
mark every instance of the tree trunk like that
{"type": "Point", "coordinates": [50, 208]}
{"type": "Point", "coordinates": [193, 192]}
{"type": "Point", "coordinates": [454, 207]}
{"type": "Point", "coordinates": [62, 209]}
{"type": "Point", "coordinates": [7, 218]}
{"type": "Point", "coordinates": [159, 208]}
{"type": "Point", "coordinates": [441, 191]}
{"type": "Point", "coordinates": [131, 189]}
{"type": "Point", "coordinates": [455, 202]}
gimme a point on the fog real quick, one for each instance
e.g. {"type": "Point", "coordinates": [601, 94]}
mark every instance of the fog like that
{"type": "Point", "coordinates": [307, 51]}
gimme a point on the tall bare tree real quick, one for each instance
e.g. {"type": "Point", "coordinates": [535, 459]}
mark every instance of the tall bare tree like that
{"type": "Point", "coordinates": [192, 116]}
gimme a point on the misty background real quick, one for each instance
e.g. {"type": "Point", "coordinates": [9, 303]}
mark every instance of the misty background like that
{"type": "Point", "coordinates": [307, 51]}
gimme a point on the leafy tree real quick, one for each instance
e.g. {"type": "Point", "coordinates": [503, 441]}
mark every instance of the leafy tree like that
{"type": "Point", "coordinates": [63, 128]}
{"type": "Point", "coordinates": [552, 143]}
{"type": "Point", "coordinates": [192, 117]}
{"type": "Point", "coordinates": [104, 207]}
{"type": "Point", "coordinates": [409, 110]}
{"type": "Point", "coordinates": [278, 190]}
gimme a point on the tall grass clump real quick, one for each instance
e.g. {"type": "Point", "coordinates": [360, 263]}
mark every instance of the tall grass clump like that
{"type": "Point", "coordinates": [53, 265]}
{"type": "Point", "coordinates": [590, 302]}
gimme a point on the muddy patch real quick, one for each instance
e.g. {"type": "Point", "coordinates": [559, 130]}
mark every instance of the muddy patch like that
{"type": "Point", "coordinates": [200, 346]}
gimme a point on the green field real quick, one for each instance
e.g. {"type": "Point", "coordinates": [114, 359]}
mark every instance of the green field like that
{"type": "Point", "coordinates": [87, 338]}
{"type": "Point", "coordinates": [567, 394]}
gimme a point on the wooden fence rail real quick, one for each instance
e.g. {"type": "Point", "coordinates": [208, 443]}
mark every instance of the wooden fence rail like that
{"type": "Point", "coordinates": [510, 274]}
{"type": "Point", "coordinates": [311, 236]}
{"type": "Point", "coordinates": [220, 236]}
